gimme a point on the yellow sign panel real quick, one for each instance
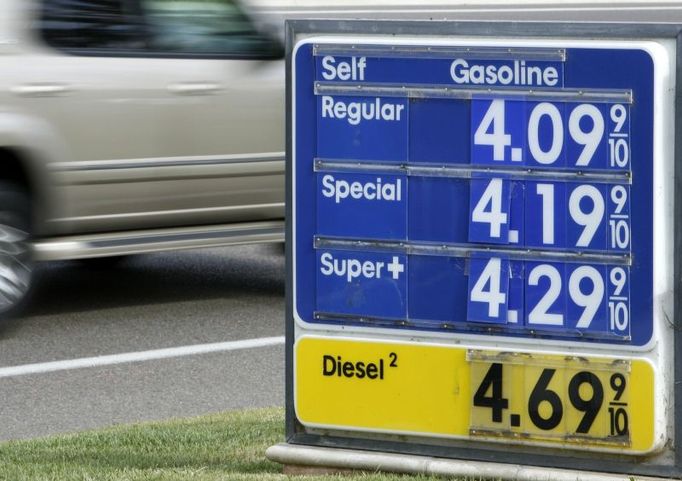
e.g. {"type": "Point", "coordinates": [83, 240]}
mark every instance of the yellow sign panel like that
{"type": "Point", "coordinates": [457, 392]}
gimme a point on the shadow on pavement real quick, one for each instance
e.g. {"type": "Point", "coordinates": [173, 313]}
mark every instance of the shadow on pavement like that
{"type": "Point", "coordinates": [73, 286]}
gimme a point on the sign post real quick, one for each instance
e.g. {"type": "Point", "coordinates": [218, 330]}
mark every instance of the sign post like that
{"type": "Point", "coordinates": [481, 242]}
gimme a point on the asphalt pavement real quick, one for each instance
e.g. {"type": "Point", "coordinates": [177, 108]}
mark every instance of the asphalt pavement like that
{"type": "Point", "coordinates": [85, 309]}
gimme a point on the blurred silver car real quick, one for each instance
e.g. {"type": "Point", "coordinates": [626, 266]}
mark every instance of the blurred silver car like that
{"type": "Point", "coordinates": [131, 126]}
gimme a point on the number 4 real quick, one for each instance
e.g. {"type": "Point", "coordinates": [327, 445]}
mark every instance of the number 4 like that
{"type": "Point", "coordinates": [489, 208]}
{"type": "Point", "coordinates": [488, 288]}
{"type": "Point", "coordinates": [498, 139]}
{"type": "Point", "coordinates": [492, 382]}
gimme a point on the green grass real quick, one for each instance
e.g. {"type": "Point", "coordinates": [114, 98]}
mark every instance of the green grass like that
{"type": "Point", "coordinates": [228, 446]}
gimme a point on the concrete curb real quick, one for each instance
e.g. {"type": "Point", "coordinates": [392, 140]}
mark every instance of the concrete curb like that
{"type": "Point", "coordinates": [335, 459]}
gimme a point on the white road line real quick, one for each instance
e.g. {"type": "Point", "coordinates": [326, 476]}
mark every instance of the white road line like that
{"type": "Point", "coordinates": [97, 361]}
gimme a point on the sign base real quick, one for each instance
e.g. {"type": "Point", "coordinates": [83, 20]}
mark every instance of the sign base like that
{"type": "Point", "coordinates": [299, 459]}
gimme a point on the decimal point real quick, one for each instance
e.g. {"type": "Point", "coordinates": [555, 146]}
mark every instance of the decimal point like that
{"type": "Point", "coordinates": [515, 420]}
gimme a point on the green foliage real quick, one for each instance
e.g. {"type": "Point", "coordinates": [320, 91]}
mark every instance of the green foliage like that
{"type": "Point", "coordinates": [227, 446]}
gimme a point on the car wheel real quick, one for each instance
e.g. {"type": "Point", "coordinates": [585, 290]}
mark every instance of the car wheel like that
{"type": "Point", "coordinates": [15, 256]}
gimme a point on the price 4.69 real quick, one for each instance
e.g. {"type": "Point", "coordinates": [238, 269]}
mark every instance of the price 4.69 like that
{"type": "Point", "coordinates": [571, 400]}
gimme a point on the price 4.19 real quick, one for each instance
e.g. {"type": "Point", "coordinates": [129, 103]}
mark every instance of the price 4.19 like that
{"type": "Point", "coordinates": [550, 214]}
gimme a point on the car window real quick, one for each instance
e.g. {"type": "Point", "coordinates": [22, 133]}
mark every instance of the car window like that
{"type": "Point", "coordinates": [202, 27]}
{"type": "Point", "coordinates": [92, 24]}
{"type": "Point", "coordinates": [183, 28]}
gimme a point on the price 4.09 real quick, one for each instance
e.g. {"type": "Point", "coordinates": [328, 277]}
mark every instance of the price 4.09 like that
{"type": "Point", "coordinates": [551, 134]}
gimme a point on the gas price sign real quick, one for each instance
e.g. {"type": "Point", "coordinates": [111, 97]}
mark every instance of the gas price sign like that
{"type": "Point", "coordinates": [456, 392]}
{"type": "Point", "coordinates": [478, 190]}
{"type": "Point", "coordinates": [478, 219]}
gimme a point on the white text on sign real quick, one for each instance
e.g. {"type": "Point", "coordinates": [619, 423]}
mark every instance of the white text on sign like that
{"type": "Point", "coordinates": [356, 112]}
{"type": "Point", "coordinates": [516, 74]}
{"type": "Point", "coordinates": [353, 70]}
{"type": "Point", "coordinates": [379, 190]}
{"type": "Point", "coordinates": [354, 268]}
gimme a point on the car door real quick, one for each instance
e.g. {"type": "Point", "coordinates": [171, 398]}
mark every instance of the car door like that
{"type": "Point", "coordinates": [229, 132]}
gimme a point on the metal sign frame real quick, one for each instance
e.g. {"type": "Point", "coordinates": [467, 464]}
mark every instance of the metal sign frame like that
{"type": "Point", "coordinates": [667, 464]}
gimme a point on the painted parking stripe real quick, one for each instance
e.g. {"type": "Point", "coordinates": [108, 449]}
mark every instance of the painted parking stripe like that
{"type": "Point", "coordinates": [109, 360]}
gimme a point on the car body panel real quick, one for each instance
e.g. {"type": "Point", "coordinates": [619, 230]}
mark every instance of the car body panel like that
{"type": "Point", "coordinates": [147, 141]}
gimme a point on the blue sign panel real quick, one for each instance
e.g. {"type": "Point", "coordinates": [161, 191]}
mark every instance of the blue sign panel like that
{"type": "Point", "coordinates": [484, 190]}
{"type": "Point", "coordinates": [371, 128]}
{"type": "Point", "coordinates": [362, 205]}
{"type": "Point", "coordinates": [366, 284]}
{"type": "Point", "coordinates": [425, 69]}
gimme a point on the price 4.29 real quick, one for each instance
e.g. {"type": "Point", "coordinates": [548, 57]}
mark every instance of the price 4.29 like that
{"type": "Point", "coordinates": [544, 295]}
{"type": "Point", "coordinates": [544, 401]}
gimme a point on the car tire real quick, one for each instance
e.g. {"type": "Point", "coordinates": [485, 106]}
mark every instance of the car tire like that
{"type": "Point", "coordinates": [16, 269]}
